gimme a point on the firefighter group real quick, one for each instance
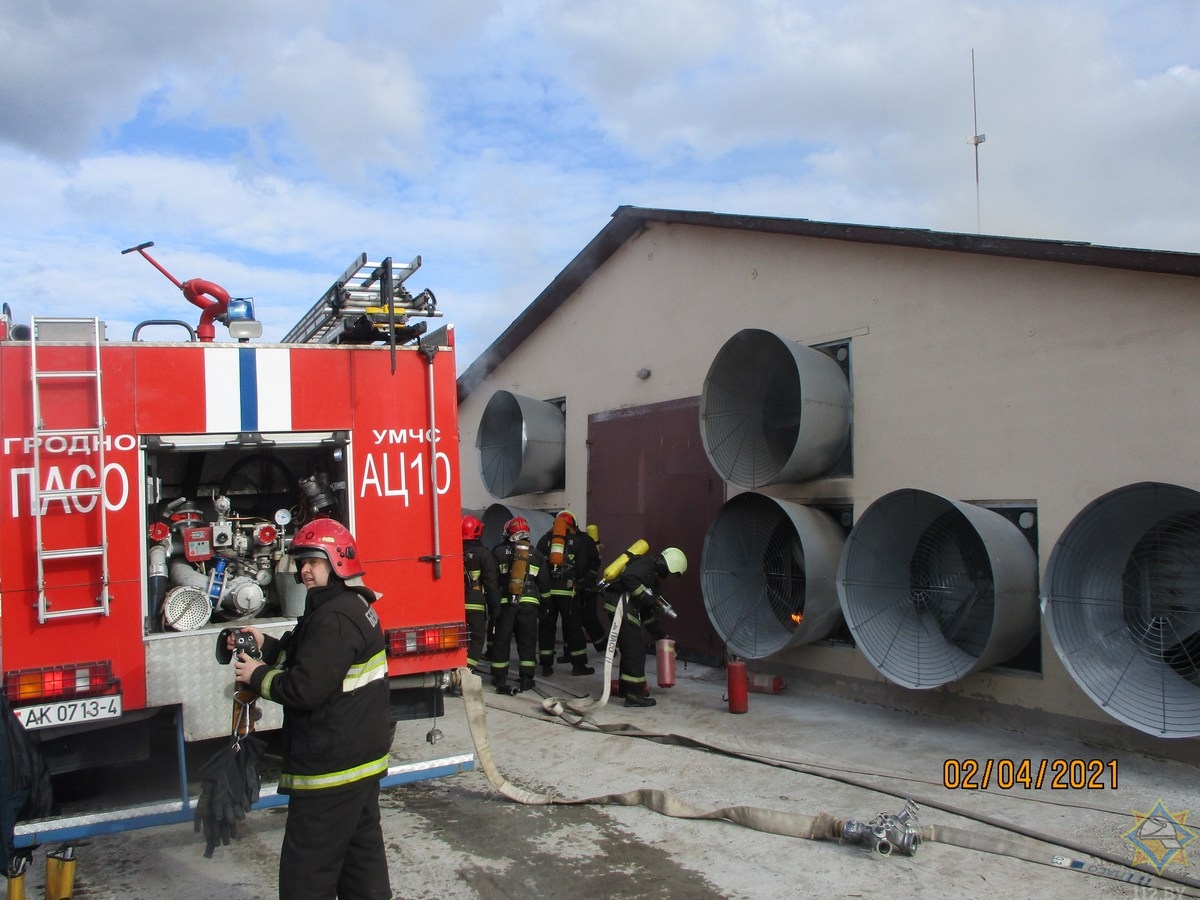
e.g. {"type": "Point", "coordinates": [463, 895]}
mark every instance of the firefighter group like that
{"type": "Point", "coordinates": [520, 590]}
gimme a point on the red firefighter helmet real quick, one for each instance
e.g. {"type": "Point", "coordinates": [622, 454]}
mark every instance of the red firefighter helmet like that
{"type": "Point", "coordinates": [516, 529]}
{"type": "Point", "coordinates": [569, 517]}
{"type": "Point", "coordinates": [332, 540]}
{"type": "Point", "coordinates": [472, 528]}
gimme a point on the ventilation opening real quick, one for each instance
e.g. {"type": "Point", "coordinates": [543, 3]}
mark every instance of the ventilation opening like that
{"type": "Point", "coordinates": [767, 574]}
{"type": "Point", "coordinates": [773, 411]}
{"type": "Point", "coordinates": [843, 466]}
{"type": "Point", "coordinates": [1024, 515]}
{"type": "Point", "coordinates": [843, 514]}
{"type": "Point", "coordinates": [1123, 606]}
{"type": "Point", "coordinates": [934, 589]}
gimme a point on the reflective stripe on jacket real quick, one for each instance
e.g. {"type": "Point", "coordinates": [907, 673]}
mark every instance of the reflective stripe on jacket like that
{"type": "Point", "coordinates": [330, 676]}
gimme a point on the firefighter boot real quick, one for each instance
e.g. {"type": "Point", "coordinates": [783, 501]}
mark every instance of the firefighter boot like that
{"type": "Point", "coordinates": [60, 874]}
{"type": "Point", "coordinates": [547, 670]}
{"type": "Point", "coordinates": [582, 668]}
{"type": "Point", "coordinates": [526, 681]}
{"type": "Point", "coordinates": [500, 683]}
{"type": "Point", "coordinates": [637, 698]}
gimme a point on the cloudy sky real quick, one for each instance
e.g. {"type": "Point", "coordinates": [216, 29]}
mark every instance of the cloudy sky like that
{"type": "Point", "coordinates": [263, 144]}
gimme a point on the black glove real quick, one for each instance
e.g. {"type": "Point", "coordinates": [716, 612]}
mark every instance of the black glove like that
{"type": "Point", "coordinates": [250, 756]}
{"type": "Point", "coordinates": [222, 799]}
{"type": "Point", "coordinates": [206, 821]}
{"type": "Point", "coordinates": [226, 810]}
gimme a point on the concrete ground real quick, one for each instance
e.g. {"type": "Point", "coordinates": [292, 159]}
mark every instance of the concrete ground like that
{"type": "Point", "coordinates": [792, 752]}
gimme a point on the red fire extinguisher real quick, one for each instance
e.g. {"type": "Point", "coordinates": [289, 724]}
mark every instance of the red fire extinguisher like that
{"type": "Point", "coordinates": [664, 651]}
{"type": "Point", "coordinates": [738, 686]}
{"type": "Point", "coordinates": [766, 684]}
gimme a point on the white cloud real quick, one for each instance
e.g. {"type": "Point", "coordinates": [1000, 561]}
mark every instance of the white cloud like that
{"type": "Point", "coordinates": [263, 144]}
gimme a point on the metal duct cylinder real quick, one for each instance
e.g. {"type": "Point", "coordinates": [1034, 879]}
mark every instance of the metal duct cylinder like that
{"type": "Point", "coordinates": [773, 411]}
{"type": "Point", "coordinates": [934, 589]}
{"type": "Point", "coordinates": [243, 598]}
{"type": "Point", "coordinates": [768, 574]}
{"type": "Point", "coordinates": [497, 514]}
{"type": "Point", "coordinates": [522, 445]}
{"type": "Point", "coordinates": [1122, 606]}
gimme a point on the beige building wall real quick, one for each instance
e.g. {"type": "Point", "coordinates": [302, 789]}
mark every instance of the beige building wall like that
{"type": "Point", "coordinates": [981, 378]}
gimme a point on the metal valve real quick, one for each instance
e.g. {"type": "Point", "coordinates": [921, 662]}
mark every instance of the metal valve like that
{"type": "Point", "coordinates": [886, 832]}
{"type": "Point", "coordinates": [664, 607]}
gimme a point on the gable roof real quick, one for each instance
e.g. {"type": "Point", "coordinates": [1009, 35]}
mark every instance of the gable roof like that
{"type": "Point", "coordinates": [629, 220]}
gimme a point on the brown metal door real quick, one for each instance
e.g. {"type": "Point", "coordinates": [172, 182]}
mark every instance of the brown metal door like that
{"type": "Point", "coordinates": [648, 477]}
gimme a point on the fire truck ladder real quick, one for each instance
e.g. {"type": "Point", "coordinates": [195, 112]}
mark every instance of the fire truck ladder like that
{"type": "Point", "coordinates": [369, 296]}
{"type": "Point", "coordinates": [85, 380]}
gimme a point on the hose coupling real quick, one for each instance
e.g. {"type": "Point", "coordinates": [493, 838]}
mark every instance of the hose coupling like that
{"type": "Point", "coordinates": [886, 833]}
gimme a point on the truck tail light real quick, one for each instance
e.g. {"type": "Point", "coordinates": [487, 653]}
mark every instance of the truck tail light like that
{"type": "Point", "coordinates": [60, 682]}
{"type": "Point", "coordinates": [426, 639]}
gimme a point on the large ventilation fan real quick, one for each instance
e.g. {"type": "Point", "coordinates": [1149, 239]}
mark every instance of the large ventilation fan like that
{"type": "Point", "coordinates": [1122, 606]}
{"type": "Point", "coordinates": [934, 589]}
{"type": "Point", "coordinates": [773, 411]}
{"type": "Point", "coordinates": [768, 574]}
{"type": "Point", "coordinates": [497, 514]}
{"type": "Point", "coordinates": [522, 445]}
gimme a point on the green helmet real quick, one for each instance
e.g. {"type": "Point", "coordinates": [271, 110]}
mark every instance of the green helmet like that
{"type": "Point", "coordinates": [674, 560]}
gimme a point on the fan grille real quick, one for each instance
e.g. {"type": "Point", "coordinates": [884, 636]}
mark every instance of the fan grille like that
{"type": "Point", "coordinates": [767, 575]}
{"type": "Point", "coordinates": [923, 594]}
{"type": "Point", "coordinates": [1123, 606]}
{"type": "Point", "coordinates": [773, 411]}
{"type": "Point", "coordinates": [521, 444]}
{"type": "Point", "coordinates": [500, 444]}
{"type": "Point", "coordinates": [950, 580]}
{"type": "Point", "coordinates": [751, 408]}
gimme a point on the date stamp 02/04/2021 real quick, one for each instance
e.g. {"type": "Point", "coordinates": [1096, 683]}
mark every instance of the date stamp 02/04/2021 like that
{"type": "Point", "coordinates": [1159, 836]}
{"type": "Point", "coordinates": [1032, 774]}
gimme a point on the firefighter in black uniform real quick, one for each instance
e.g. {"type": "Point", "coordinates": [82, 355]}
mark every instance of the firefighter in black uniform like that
{"type": "Point", "coordinates": [587, 591]}
{"type": "Point", "coordinates": [481, 581]}
{"type": "Point", "coordinates": [523, 582]}
{"type": "Point", "coordinates": [638, 586]}
{"type": "Point", "coordinates": [561, 546]}
{"type": "Point", "coordinates": [330, 676]}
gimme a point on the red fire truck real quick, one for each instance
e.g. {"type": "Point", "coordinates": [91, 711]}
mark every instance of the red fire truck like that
{"type": "Point", "coordinates": [150, 489]}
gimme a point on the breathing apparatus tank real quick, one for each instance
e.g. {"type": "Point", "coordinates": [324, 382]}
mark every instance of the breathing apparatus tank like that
{"type": "Point", "coordinates": [617, 566]}
{"type": "Point", "coordinates": [518, 569]}
{"type": "Point", "coordinates": [558, 539]}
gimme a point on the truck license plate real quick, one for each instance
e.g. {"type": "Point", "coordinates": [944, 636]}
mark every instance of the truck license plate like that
{"type": "Point", "coordinates": [69, 712]}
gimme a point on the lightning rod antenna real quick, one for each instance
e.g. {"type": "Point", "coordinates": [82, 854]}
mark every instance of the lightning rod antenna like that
{"type": "Point", "coordinates": [976, 139]}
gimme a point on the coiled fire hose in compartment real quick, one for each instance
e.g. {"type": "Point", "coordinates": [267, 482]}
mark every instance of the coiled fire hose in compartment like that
{"type": "Point", "coordinates": [885, 834]}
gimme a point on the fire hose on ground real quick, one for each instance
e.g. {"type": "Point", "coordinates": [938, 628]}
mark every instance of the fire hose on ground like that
{"type": "Point", "coordinates": [886, 833]}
